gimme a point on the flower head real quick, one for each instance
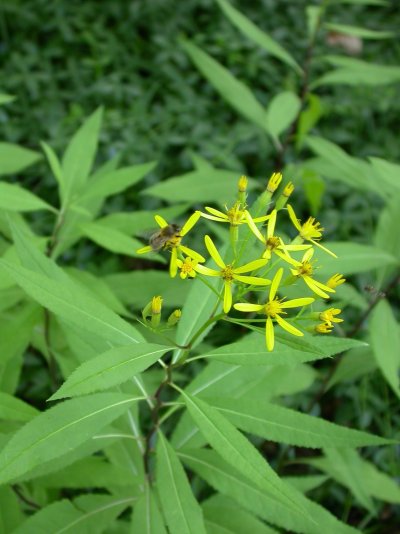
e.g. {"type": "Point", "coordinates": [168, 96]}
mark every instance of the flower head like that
{"type": "Point", "coordinates": [274, 181]}
{"type": "Point", "coordinates": [323, 328]}
{"type": "Point", "coordinates": [171, 240]}
{"type": "Point", "coordinates": [230, 274]}
{"type": "Point", "coordinates": [273, 309]}
{"type": "Point", "coordinates": [187, 267]}
{"type": "Point", "coordinates": [311, 230]}
{"type": "Point", "coordinates": [335, 281]}
{"type": "Point", "coordinates": [235, 215]}
{"type": "Point", "coordinates": [272, 243]}
{"type": "Point", "coordinates": [328, 316]}
{"type": "Point", "coordinates": [305, 269]}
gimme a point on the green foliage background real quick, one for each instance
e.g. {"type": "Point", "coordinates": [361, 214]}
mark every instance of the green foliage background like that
{"type": "Point", "coordinates": [62, 60]}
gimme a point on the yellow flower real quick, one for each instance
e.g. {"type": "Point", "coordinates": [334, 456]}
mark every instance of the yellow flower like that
{"type": "Point", "coordinates": [271, 242]}
{"type": "Point", "coordinates": [273, 309]}
{"type": "Point", "coordinates": [304, 269]}
{"type": "Point", "coordinates": [309, 231]}
{"type": "Point", "coordinates": [234, 216]}
{"type": "Point", "coordinates": [328, 316]}
{"type": "Point", "coordinates": [156, 305]}
{"type": "Point", "coordinates": [274, 181]}
{"type": "Point", "coordinates": [335, 280]}
{"type": "Point", "coordinates": [323, 328]}
{"type": "Point", "coordinates": [229, 274]}
{"type": "Point", "coordinates": [172, 240]}
{"type": "Point", "coordinates": [187, 267]}
{"type": "Point", "coordinates": [242, 184]}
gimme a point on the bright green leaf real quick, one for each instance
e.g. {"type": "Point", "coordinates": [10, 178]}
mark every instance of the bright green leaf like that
{"type": "Point", "coordinates": [281, 112]}
{"type": "Point", "coordinates": [14, 158]}
{"type": "Point", "coordinates": [16, 198]}
{"type": "Point", "coordinates": [14, 409]}
{"type": "Point", "coordinates": [147, 518]}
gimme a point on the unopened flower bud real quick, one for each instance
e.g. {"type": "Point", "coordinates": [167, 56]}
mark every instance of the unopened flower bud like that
{"type": "Point", "coordinates": [242, 184]}
{"type": "Point", "coordinates": [335, 280]}
{"type": "Point", "coordinates": [156, 305]}
{"type": "Point", "coordinates": [288, 190]}
{"type": "Point", "coordinates": [323, 328]}
{"type": "Point", "coordinates": [274, 182]}
{"type": "Point", "coordinates": [174, 317]}
{"type": "Point", "coordinates": [284, 197]}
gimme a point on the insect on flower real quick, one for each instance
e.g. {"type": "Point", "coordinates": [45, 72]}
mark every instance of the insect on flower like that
{"type": "Point", "coordinates": [165, 236]}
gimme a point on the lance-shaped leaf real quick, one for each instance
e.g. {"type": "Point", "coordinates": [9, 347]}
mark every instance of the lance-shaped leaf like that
{"type": "Point", "coordinates": [232, 90]}
{"type": "Point", "coordinates": [14, 158]}
{"type": "Point", "coordinates": [147, 518]}
{"type": "Point", "coordinates": [16, 198]}
{"type": "Point", "coordinates": [86, 514]}
{"type": "Point", "coordinates": [55, 164]}
{"type": "Point", "coordinates": [79, 156]}
{"type": "Point", "coordinates": [280, 424]}
{"type": "Point", "coordinates": [385, 341]}
{"type": "Point", "coordinates": [69, 302]}
{"type": "Point", "coordinates": [248, 28]}
{"type": "Point", "coordinates": [59, 430]}
{"type": "Point", "coordinates": [110, 368]}
{"type": "Point", "coordinates": [14, 409]}
{"type": "Point", "coordinates": [281, 112]}
{"type": "Point", "coordinates": [229, 481]}
{"type": "Point", "coordinates": [181, 510]}
{"type": "Point", "coordinates": [239, 452]}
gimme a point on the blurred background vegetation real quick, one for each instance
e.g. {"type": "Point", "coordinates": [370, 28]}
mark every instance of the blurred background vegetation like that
{"type": "Point", "coordinates": [63, 59]}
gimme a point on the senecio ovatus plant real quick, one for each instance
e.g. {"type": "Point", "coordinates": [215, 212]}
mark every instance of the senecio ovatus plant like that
{"type": "Point", "coordinates": [257, 287]}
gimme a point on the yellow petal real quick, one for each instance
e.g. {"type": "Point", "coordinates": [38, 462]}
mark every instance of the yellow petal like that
{"type": "Point", "coordinates": [144, 250]}
{"type": "Point", "coordinates": [293, 217]}
{"type": "Point", "coordinates": [246, 307]}
{"type": "Point", "coordinates": [253, 227]}
{"type": "Point", "coordinates": [275, 284]}
{"type": "Point", "coordinates": [288, 327]}
{"type": "Point", "coordinates": [271, 224]}
{"type": "Point", "coordinates": [212, 218]}
{"type": "Point", "coordinates": [190, 223]}
{"type": "Point", "coordinates": [217, 213]}
{"type": "Point", "coordinates": [252, 280]}
{"type": "Point", "coordinates": [323, 248]}
{"type": "Point", "coordinates": [287, 258]}
{"type": "Point", "coordinates": [162, 223]}
{"type": "Point", "coordinates": [205, 270]}
{"type": "Point", "coordinates": [227, 297]}
{"type": "Point", "coordinates": [173, 266]}
{"type": "Point", "coordinates": [191, 253]}
{"type": "Point", "coordinates": [269, 334]}
{"type": "Point", "coordinates": [251, 266]}
{"type": "Point", "coordinates": [295, 303]}
{"type": "Point", "coordinates": [313, 286]}
{"type": "Point", "coordinates": [308, 255]}
{"type": "Point", "coordinates": [214, 252]}
{"type": "Point", "coordinates": [297, 247]}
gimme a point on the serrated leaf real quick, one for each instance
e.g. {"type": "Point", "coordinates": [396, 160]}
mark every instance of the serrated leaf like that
{"type": "Point", "coordinates": [147, 518]}
{"type": "Point", "coordinates": [68, 301]}
{"type": "Point", "coordinates": [197, 186]}
{"type": "Point", "coordinates": [14, 158]}
{"type": "Point", "coordinates": [231, 89]}
{"type": "Point", "coordinates": [110, 369]}
{"type": "Point", "coordinates": [248, 28]}
{"type": "Point", "coordinates": [87, 514]}
{"type": "Point", "coordinates": [79, 156]}
{"type": "Point", "coordinates": [385, 342]}
{"type": "Point", "coordinates": [281, 112]}
{"type": "Point", "coordinates": [116, 181]}
{"type": "Point", "coordinates": [276, 423]}
{"type": "Point", "coordinates": [15, 198]}
{"type": "Point", "coordinates": [227, 480]}
{"type": "Point", "coordinates": [181, 510]}
{"type": "Point", "coordinates": [59, 430]}
{"type": "Point", "coordinates": [238, 451]}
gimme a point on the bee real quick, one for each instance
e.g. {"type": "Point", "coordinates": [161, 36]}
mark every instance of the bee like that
{"type": "Point", "coordinates": [162, 237]}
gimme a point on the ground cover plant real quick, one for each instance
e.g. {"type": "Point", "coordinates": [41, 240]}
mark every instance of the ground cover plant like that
{"type": "Point", "coordinates": [215, 351]}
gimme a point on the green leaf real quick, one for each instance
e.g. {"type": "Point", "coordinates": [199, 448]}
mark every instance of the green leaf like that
{"type": "Point", "coordinates": [116, 181]}
{"type": "Point", "coordinates": [14, 409]}
{"type": "Point", "coordinates": [86, 514]}
{"type": "Point", "coordinates": [306, 483]}
{"type": "Point", "coordinates": [248, 28]}
{"type": "Point", "coordinates": [55, 165]}
{"type": "Point", "coordinates": [227, 480]}
{"type": "Point", "coordinates": [388, 174]}
{"type": "Point", "coordinates": [59, 430]}
{"type": "Point", "coordinates": [14, 158]}
{"type": "Point", "coordinates": [232, 90]}
{"type": "Point", "coordinates": [181, 510]}
{"type": "Point", "coordinates": [70, 303]}
{"type": "Point", "coordinates": [79, 156]}
{"type": "Point", "coordinates": [197, 186]}
{"type": "Point", "coordinates": [355, 364]}
{"type": "Point", "coordinates": [147, 518]}
{"type": "Point", "coordinates": [6, 99]}
{"type": "Point", "coordinates": [223, 516]}
{"type": "Point", "coordinates": [252, 351]}
{"type": "Point", "coordinates": [238, 451]}
{"type": "Point", "coordinates": [387, 236]}
{"type": "Point", "coordinates": [113, 240]}
{"type": "Point", "coordinates": [308, 118]}
{"type": "Point", "coordinates": [363, 33]}
{"type": "Point", "coordinates": [276, 423]}
{"type": "Point", "coordinates": [11, 514]}
{"type": "Point", "coordinates": [16, 198]}
{"type": "Point", "coordinates": [352, 258]}
{"type": "Point", "coordinates": [385, 342]}
{"type": "Point", "coordinates": [281, 112]}
{"type": "Point", "coordinates": [110, 369]}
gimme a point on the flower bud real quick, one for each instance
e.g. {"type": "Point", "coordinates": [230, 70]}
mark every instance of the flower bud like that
{"type": "Point", "coordinates": [284, 197]}
{"type": "Point", "coordinates": [335, 280]}
{"type": "Point", "coordinates": [174, 317]}
{"type": "Point", "coordinates": [274, 181]}
{"type": "Point", "coordinates": [156, 305]}
{"type": "Point", "coordinates": [242, 184]}
{"type": "Point", "coordinates": [323, 328]}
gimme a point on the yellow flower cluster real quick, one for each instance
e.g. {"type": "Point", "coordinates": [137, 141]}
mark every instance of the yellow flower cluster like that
{"type": "Point", "coordinates": [240, 279]}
